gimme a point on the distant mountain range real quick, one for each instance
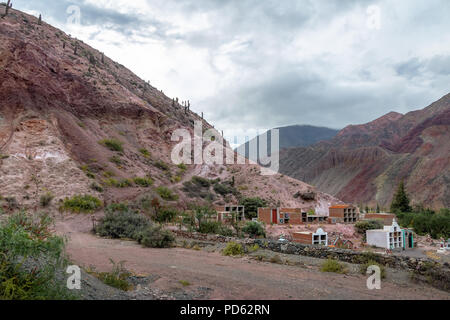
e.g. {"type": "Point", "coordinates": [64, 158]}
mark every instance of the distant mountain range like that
{"type": "Point", "coordinates": [295, 136]}
{"type": "Point", "coordinates": [363, 164]}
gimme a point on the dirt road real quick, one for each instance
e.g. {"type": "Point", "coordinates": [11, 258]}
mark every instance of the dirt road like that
{"type": "Point", "coordinates": [222, 277]}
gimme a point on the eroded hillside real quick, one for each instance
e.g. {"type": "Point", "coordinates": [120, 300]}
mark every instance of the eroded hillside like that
{"type": "Point", "coordinates": [72, 121]}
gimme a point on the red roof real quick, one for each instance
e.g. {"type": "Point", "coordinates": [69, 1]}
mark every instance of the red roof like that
{"type": "Point", "coordinates": [340, 206]}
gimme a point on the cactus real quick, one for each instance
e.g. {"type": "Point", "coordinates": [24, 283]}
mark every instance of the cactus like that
{"type": "Point", "coordinates": [75, 49]}
{"type": "Point", "coordinates": [40, 20]}
{"type": "Point", "coordinates": [64, 44]}
{"type": "Point", "coordinates": [103, 57]}
{"type": "Point", "coordinates": [8, 6]}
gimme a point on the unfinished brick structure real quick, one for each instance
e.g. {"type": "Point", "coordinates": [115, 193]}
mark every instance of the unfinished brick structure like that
{"type": "Point", "coordinates": [288, 216]}
{"type": "Point", "coordinates": [343, 214]}
{"type": "Point", "coordinates": [319, 237]}
{"type": "Point", "coordinates": [387, 218]}
{"type": "Point", "coordinates": [227, 213]}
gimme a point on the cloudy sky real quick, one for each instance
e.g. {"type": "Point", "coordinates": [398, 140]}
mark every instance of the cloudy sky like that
{"type": "Point", "coordinates": [250, 65]}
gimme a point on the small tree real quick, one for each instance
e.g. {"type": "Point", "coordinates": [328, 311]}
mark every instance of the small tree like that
{"type": "Point", "coordinates": [252, 205]}
{"type": "Point", "coordinates": [401, 202]}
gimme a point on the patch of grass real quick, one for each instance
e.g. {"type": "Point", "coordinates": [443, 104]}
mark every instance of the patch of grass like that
{"type": "Point", "coordinates": [81, 204]}
{"type": "Point", "coordinates": [254, 248]}
{"type": "Point", "coordinates": [116, 160]}
{"type": "Point", "coordinates": [276, 259]}
{"type": "Point", "coordinates": [185, 283]}
{"type": "Point", "coordinates": [333, 266]}
{"type": "Point", "coordinates": [112, 144]}
{"type": "Point", "coordinates": [233, 249]}
{"type": "Point", "coordinates": [117, 278]}
{"type": "Point", "coordinates": [143, 182]}
{"type": "Point", "coordinates": [46, 199]}
{"type": "Point", "coordinates": [145, 153]}
{"type": "Point", "coordinates": [166, 194]}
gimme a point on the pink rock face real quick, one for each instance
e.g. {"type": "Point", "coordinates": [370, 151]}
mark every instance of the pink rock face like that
{"type": "Point", "coordinates": [364, 164]}
{"type": "Point", "coordinates": [57, 105]}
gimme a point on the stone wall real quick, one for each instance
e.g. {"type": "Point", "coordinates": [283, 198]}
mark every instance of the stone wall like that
{"type": "Point", "coordinates": [426, 269]}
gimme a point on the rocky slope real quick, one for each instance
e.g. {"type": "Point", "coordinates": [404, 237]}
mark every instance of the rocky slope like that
{"type": "Point", "coordinates": [364, 163]}
{"type": "Point", "coordinates": [59, 98]}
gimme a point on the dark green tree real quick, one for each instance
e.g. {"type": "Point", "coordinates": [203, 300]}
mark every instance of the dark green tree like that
{"type": "Point", "coordinates": [401, 202]}
{"type": "Point", "coordinates": [252, 205]}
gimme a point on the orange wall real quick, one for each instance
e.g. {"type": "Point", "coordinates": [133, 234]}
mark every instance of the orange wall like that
{"type": "Point", "coordinates": [265, 215]}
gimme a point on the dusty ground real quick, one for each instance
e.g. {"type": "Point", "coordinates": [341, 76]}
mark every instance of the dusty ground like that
{"type": "Point", "coordinates": [213, 276]}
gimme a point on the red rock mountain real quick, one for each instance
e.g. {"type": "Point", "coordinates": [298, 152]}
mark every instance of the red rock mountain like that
{"type": "Point", "coordinates": [365, 163]}
{"type": "Point", "coordinates": [59, 98]}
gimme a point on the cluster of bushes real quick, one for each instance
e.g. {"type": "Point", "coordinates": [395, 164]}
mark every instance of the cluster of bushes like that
{"type": "Point", "coordinates": [200, 187]}
{"type": "Point", "coordinates": [81, 204]}
{"type": "Point", "coordinates": [436, 224]}
{"type": "Point", "coordinates": [215, 227]}
{"type": "Point", "coordinates": [31, 257]}
{"type": "Point", "coordinates": [120, 222]}
{"type": "Point", "coordinates": [143, 182]}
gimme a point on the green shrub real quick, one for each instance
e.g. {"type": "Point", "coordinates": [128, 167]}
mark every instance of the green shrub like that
{"type": "Point", "coordinates": [203, 182]}
{"type": "Point", "coordinates": [46, 199]}
{"type": "Point", "coordinates": [233, 249]}
{"type": "Point", "coordinates": [117, 207]}
{"type": "Point", "coordinates": [112, 144]}
{"type": "Point", "coordinates": [362, 226]}
{"type": "Point", "coordinates": [254, 229]}
{"type": "Point", "coordinates": [182, 167]}
{"type": "Point", "coordinates": [166, 194]}
{"type": "Point", "coordinates": [81, 204]}
{"type": "Point", "coordinates": [31, 257]}
{"type": "Point", "coordinates": [333, 266]}
{"type": "Point", "coordinates": [143, 182]}
{"type": "Point", "coordinates": [162, 165]}
{"type": "Point", "coordinates": [156, 237]}
{"type": "Point", "coordinates": [252, 205]}
{"type": "Point", "coordinates": [223, 189]}
{"type": "Point", "coordinates": [363, 268]}
{"type": "Point", "coordinates": [119, 223]}
{"type": "Point", "coordinates": [166, 215]}
{"type": "Point", "coordinates": [214, 227]}
{"type": "Point", "coordinates": [96, 187]}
